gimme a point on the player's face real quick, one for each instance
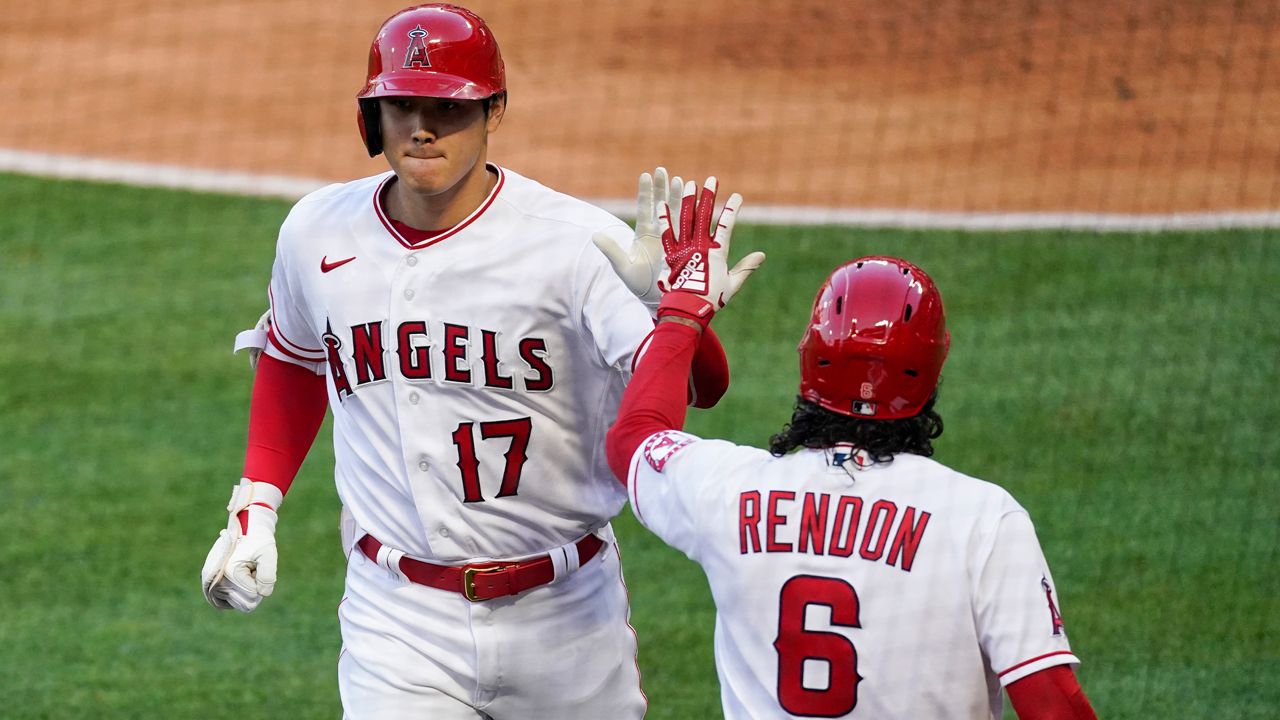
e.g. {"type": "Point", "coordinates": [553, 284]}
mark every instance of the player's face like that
{"type": "Point", "coordinates": [432, 144]}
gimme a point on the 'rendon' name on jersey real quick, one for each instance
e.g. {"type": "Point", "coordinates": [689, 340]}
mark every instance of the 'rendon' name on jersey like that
{"type": "Point", "coordinates": [833, 525]}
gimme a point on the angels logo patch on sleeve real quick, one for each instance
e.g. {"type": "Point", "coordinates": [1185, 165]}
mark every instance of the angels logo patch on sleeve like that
{"type": "Point", "coordinates": [1054, 615]}
{"type": "Point", "coordinates": [661, 447]}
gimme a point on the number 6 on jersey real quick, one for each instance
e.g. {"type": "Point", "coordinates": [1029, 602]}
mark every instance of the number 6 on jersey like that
{"type": "Point", "coordinates": [795, 645]}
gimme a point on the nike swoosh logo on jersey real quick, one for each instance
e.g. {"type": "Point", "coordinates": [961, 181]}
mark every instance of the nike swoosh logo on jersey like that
{"type": "Point", "coordinates": [326, 266]}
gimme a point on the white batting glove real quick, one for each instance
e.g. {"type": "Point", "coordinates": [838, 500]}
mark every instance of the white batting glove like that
{"type": "Point", "coordinates": [697, 251]}
{"type": "Point", "coordinates": [254, 340]}
{"type": "Point", "coordinates": [240, 569]}
{"type": "Point", "coordinates": [643, 265]}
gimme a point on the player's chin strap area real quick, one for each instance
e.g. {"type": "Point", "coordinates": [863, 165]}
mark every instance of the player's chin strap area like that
{"type": "Point", "coordinates": [488, 580]}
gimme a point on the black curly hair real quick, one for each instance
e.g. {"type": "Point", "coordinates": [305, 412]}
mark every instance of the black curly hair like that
{"type": "Point", "coordinates": [812, 426]}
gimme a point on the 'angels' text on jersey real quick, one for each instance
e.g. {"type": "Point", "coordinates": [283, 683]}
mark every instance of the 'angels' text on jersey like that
{"type": "Point", "coordinates": [458, 436]}
{"type": "Point", "coordinates": [359, 354]}
{"type": "Point", "coordinates": [830, 525]}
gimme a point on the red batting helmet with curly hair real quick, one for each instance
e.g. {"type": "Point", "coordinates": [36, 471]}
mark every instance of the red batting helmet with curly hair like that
{"type": "Point", "coordinates": [876, 342]}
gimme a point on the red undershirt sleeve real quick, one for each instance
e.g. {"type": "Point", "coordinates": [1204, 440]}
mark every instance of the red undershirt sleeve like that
{"type": "Point", "coordinates": [288, 406]}
{"type": "Point", "coordinates": [655, 398]}
{"type": "Point", "coordinates": [709, 379]}
{"type": "Point", "coordinates": [1051, 694]}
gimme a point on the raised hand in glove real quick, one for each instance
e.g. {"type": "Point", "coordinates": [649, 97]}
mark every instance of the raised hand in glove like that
{"type": "Point", "coordinates": [696, 248]}
{"type": "Point", "coordinates": [240, 569]}
{"type": "Point", "coordinates": [641, 266]}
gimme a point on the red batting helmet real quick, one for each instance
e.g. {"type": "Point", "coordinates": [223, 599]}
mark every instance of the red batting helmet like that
{"type": "Point", "coordinates": [434, 50]}
{"type": "Point", "coordinates": [875, 346]}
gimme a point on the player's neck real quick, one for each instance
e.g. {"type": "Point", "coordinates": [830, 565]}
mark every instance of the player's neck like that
{"type": "Point", "coordinates": [440, 211]}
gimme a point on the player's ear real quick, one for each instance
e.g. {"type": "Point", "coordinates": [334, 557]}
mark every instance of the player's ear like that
{"type": "Point", "coordinates": [497, 108]}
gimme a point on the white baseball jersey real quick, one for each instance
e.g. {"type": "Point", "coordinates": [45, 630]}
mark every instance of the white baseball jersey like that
{"type": "Point", "coordinates": [471, 377]}
{"type": "Point", "coordinates": [845, 588]}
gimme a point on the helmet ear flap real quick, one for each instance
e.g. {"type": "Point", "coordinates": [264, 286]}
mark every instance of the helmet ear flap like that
{"type": "Point", "coordinates": [368, 118]}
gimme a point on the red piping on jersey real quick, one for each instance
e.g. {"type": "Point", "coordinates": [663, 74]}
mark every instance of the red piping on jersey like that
{"type": "Point", "coordinates": [386, 221]}
{"type": "Point", "coordinates": [275, 341]}
{"type": "Point", "coordinates": [285, 345]}
{"type": "Point", "coordinates": [634, 658]}
{"type": "Point", "coordinates": [633, 490]}
{"type": "Point", "coordinates": [641, 349]}
{"type": "Point", "coordinates": [1034, 659]}
{"type": "Point", "coordinates": [413, 234]}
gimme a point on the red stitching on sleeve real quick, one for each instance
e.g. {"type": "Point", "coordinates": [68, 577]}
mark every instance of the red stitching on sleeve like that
{"type": "Point", "coordinates": [1034, 659]}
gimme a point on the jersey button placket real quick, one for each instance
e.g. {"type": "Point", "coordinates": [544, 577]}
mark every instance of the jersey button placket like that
{"type": "Point", "coordinates": [408, 277]}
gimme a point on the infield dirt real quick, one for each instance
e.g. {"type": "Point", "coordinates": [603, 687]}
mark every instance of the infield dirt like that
{"type": "Point", "coordinates": [1096, 106]}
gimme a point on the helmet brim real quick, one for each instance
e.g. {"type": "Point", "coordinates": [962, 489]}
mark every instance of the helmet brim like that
{"type": "Point", "coordinates": [435, 85]}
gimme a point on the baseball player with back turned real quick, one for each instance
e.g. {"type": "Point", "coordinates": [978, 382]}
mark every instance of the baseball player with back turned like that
{"type": "Point", "coordinates": [856, 577]}
{"type": "Point", "coordinates": [473, 344]}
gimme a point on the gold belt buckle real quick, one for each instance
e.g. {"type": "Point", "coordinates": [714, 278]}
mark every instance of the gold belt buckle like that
{"type": "Point", "coordinates": [469, 580]}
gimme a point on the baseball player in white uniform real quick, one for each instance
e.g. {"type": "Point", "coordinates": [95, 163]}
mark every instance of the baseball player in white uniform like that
{"type": "Point", "coordinates": [856, 577]}
{"type": "Point", "coordinates": [473, 344]}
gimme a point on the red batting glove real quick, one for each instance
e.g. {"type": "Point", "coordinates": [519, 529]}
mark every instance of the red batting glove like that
{"type": "Point", "coordinates": [697, 251]}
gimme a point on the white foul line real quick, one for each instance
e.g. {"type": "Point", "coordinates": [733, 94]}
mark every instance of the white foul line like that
{"type": "Point", "coordinates": [283, 186]}
{"type": "Point", "coordinates": [74, 167]}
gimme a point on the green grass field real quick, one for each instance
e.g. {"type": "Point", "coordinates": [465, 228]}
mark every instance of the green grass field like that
{"type": "Point", "coordinates": [1122, 387]}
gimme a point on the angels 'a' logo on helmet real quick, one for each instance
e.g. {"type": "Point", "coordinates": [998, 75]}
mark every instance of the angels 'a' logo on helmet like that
{"type": "Point", "coordinates": [416, 55]}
